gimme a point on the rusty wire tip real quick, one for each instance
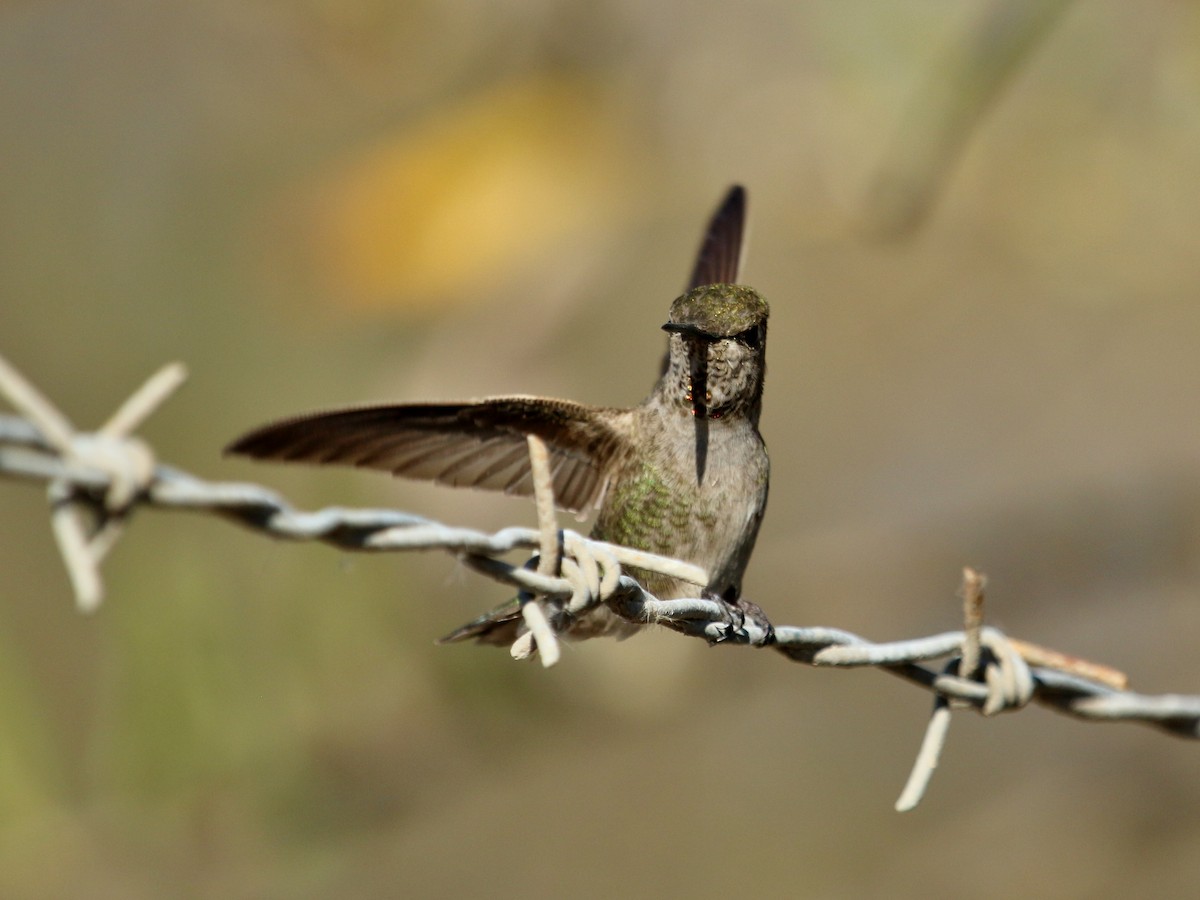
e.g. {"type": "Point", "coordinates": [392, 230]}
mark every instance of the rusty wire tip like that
{"type": "Point", "coordinates": [1046, 658]}
{"type": "Point", "coordinates": [972, 596]}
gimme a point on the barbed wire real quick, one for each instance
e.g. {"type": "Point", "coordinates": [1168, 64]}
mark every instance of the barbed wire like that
{"type": "Point", "coordinates": [96, 479]}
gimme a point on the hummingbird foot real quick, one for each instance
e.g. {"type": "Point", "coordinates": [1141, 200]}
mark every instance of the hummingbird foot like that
{"type": "Point", "coordinates": [746, 624]}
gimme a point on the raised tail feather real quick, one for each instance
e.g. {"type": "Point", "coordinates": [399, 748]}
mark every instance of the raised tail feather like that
{"type": "Point", "coordinates": [499, 627]}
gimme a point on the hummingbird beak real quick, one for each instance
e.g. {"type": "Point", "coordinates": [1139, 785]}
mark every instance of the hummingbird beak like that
{"type": "Point", "coordinates": [698, 391]}
{"type": "Point", "coordinates": [699, 382]}
{"type": "Point", "coordinates": [689, 331]}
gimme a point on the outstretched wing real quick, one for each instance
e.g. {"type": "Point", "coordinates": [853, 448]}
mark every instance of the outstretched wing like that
{"type": "Point", "coordinates": [720, 256]}
{"type": "Point", "coordinates": [478, 444]}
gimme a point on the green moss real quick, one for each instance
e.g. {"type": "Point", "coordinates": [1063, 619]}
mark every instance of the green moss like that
{"type": "Point", "coordinates": [722, 309]}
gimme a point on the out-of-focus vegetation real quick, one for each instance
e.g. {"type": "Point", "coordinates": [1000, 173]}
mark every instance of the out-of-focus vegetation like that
{"type": "Point", "coordinates": [977, 230]}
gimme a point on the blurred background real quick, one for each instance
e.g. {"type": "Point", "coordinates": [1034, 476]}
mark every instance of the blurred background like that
{"type": "Point", "coordinates": [976, 225]}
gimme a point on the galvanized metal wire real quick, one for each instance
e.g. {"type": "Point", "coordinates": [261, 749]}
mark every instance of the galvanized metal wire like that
{"type": "Point", "coordinates": [95, 479]}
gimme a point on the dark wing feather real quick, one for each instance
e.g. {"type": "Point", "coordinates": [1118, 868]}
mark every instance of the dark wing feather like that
{"type": "Point", "coordinates": [720, 257]}
{"type": "Point", "coordinates": [479, 444]}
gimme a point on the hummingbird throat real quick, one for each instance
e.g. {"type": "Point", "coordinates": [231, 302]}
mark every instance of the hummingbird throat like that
{"type": "Point", "coordinates": [698, 393]}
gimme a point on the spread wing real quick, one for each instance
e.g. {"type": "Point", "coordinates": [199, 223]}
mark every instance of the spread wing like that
{"type": "Point", "coordinates": [719, 259]}
{"type": "Point", "coordinates": [478, 444]}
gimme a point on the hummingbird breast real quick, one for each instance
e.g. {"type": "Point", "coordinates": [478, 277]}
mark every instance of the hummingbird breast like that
{"type": "Point", "coordinates": [659, 502]}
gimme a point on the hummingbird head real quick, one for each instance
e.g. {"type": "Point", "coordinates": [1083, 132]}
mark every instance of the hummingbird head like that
{"type": "Point", "coordinates": [718, 340]}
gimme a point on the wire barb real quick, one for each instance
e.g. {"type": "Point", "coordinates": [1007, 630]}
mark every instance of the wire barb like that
{"type": "Point", "coordinates": [965, 667]}
{"type": "Point", "coordinates": [96, 479]}
{"type": "Point", "coordinates": [549, 559]}
{"type": "Point", "coordinates": [972, 597]}
{"type": "Point", "coordinates": [85, 529]}
{"type": "Point", "coordinates": [927, 757]}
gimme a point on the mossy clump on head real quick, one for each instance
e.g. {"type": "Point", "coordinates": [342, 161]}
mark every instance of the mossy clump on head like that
{"type": "Point", "coordinates": [722, 310]}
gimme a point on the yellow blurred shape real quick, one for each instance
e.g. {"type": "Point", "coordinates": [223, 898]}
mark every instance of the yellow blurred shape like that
{"type": "Point", "coordinates": [467, 197]}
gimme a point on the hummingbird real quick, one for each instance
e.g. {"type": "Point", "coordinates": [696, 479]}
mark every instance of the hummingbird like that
{"type": "Point", "coordinates": [682, 474]}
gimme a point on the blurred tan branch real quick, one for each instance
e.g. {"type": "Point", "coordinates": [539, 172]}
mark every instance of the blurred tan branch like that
{"type": "Point", "coordinates": [956, 96]}
{"type": "Point", "coordinates": [101, 477]}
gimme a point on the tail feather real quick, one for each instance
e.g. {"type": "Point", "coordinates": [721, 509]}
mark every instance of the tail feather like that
{"type": "Point", "coordinates": [499, 627]}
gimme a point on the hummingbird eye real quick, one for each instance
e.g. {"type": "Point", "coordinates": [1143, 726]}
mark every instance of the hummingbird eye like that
{"type": "Point", "coordinates": [751, 337]}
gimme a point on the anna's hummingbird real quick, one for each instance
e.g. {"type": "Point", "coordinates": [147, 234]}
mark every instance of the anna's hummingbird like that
{"type": "Point", "coordinates": [683, 474]}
